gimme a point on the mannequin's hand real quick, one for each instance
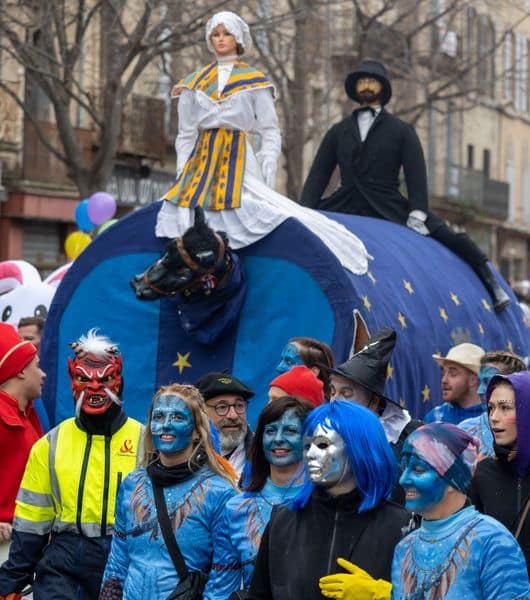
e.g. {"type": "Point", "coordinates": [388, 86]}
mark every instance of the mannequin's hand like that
{"type": "Point", "coordinates": [416, 222]}
{"type": "Point", "coordinates": [357, 584]}
{"type": "Point", "coordinates": [268, 169]}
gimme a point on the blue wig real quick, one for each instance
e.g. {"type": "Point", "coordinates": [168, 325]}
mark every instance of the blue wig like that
{"type": "Point", "coordinates": [371, 458]}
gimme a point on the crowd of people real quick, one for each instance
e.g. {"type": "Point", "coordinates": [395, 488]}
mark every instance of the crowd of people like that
{"type": "Point", "coordinates": [339, 492]}
{"type": "Point", "coordinates": [338, 495]}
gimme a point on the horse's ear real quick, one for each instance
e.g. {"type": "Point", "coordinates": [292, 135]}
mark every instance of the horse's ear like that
{"type": "Point", "coordinates": [199, 216]}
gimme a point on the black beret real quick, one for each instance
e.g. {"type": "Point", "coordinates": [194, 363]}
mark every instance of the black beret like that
{"type": "Point", "coordinates": [211, 385]}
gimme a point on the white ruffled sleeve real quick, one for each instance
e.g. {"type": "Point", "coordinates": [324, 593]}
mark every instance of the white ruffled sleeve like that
{"type": "Point", "coordinates": [269, 129]}
{"type": "Point", "coordinates": [187, 128]}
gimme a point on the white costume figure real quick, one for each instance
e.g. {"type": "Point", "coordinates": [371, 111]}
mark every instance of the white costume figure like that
{"type": "Point", "coordinates": [216, 165]}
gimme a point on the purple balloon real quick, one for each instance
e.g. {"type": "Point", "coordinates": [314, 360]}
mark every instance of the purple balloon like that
{"type": "Point", "coordinates": [101, 207]}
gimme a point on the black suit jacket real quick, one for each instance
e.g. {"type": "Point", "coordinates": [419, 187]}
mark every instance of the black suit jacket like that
{"type": "Point", "coordinates": [369, 170]}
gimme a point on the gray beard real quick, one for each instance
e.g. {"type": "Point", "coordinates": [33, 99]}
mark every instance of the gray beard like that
{"type": "Point", "coordinates": [230, 441]}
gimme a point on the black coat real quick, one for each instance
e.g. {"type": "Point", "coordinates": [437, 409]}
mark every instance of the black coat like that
{"type": "Point", "coordinates": [497, 491]}
{"type": "Point", "coordinates": [369, 170]}
{"type": "Point", "coordinates": [298, 548]}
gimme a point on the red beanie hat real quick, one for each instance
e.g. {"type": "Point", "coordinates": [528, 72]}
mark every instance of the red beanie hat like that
{"type": "Point", "coordinates": [15, 353]}
{"type": "Point", "coordinates": [300, 381]}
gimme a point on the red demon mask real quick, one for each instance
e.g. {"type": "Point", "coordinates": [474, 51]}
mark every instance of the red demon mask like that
{"type": "Point", "coordinates": [96, 380]}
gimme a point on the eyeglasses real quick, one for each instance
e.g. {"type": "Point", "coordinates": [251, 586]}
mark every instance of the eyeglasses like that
{"type": "Point", "coordinates": [223, 408]}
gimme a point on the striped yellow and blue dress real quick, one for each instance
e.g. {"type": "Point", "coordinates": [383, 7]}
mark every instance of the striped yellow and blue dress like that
{"type": "Point", "coordinates": [220, 107]}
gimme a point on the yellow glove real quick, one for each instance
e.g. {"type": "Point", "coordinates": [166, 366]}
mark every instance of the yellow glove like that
{"type": "Point", "coordinates": [357, 584]}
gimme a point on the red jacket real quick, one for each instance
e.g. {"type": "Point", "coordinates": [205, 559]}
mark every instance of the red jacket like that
{"type": "Point", "coordinates": [18, 432]}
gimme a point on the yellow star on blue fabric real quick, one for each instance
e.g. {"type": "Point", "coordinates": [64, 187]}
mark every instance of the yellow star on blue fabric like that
{"type": "Point", "coordinates": [510, 346]}
{"type": "Point", "coordinates": [455, 299]}
{"type": "Point", "coordinates": [486, 304]}
{"type": "Point", "coordinates": [481, 328]}
{"type": "Point", "coordinates": [371, 277]}
{"type": "Point", "coordinates": [443, 314]}
{"type": "Point", "coordinates": [389, 371]}
{"type": "Point", "coordinates": [182, 361]}
{"type": "Point", "coordinates": [402, 320]}
{"type": "Point", "coordinates": [408, 286]}
{"type": "Point", "coordinates": [426, 393]}
{"type": "Point", "coordinates": [366, 302]}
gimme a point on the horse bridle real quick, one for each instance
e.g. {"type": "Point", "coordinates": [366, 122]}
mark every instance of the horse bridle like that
{"type": "Point", "coordinates": [195, 267]}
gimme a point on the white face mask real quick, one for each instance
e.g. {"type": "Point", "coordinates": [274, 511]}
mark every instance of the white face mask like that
{"type": "Point", "coordinates": [326, 457]}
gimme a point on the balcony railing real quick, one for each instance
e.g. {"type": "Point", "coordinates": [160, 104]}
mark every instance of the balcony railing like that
{"type": "Point", "coordinates": [474, 190]}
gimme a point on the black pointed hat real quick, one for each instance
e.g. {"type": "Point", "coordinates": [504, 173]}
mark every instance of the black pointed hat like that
{"type": "Point", "coordinates": [368, 367]}
{"type": "Point", "coordinates": [369, 68]}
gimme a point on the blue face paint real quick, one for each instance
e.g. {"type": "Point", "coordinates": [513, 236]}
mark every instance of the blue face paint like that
{"type": "Point", "coordinates": [290, 358]}
{"type": "Point", "coordinates": [282, 440]}
{"type": "Point", "coordinates": [484, 375]}
{"type": "Point", "coordinates": [424, 488]}
{"type": "Point", "coordinates": [171, 424]}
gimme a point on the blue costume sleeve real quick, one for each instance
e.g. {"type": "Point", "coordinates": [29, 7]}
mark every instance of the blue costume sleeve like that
{"type": "Point", "coordinates": [225, 574]}
{"type": "Point", "coordinates": [503, 573]}
{"type": "Point", "coordinates": [118, 560]}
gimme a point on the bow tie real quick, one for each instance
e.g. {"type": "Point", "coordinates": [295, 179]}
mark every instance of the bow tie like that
{"type": "Point", "coordinates": [370, 109]}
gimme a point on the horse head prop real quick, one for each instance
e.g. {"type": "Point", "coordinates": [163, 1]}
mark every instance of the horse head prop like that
{"type": "Point", "coordinates": [196, 263]}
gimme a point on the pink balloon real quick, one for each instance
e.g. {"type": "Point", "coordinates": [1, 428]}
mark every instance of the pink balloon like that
{"type": "Point", "coordinates": [101, 207]}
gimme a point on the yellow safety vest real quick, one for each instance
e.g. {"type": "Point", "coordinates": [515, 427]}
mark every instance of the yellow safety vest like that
{"type": "Point", "coordinates": [72, 478]}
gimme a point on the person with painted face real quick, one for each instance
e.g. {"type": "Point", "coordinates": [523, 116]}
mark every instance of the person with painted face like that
{"type": "Point", "coordinates": [218, 107]}
{"type": "Point", "coordinates": [492, 363]}
{"type": "Point", "coordinates": [457, 552]}
{"type": "Point", "coordinates": [275, 478]}
{"type": "Point", "coordinates": [64, 513]}
{"type": "Point", "coordinates": [312, 353]}
{"type": "Point", "coordinates": [501, 486]}
{"type": "Point", "coordinates": [370, 147]}
{"type": "Point", "coordinates": [342, 511]}
{"type": "Point", "coordinates": [362, 378]}
{"type": "Point", "coordinates": [195, 483]}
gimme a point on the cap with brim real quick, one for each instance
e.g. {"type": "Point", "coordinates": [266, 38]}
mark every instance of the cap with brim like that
{"type": "Point", "coordinates": [466, 355]}
{"type": "Point", "coordinates": [211, 385]}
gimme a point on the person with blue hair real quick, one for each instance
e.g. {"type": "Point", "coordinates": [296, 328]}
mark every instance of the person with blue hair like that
{"type": "Point", "coordinates": [341, 515]}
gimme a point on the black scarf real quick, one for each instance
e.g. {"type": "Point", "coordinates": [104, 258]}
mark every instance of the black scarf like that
{"type": "Point", "coordinates": [168, 476]}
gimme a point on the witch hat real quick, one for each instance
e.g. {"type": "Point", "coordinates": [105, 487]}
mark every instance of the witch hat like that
{"type": "Point", "coordinates": [368, 367]}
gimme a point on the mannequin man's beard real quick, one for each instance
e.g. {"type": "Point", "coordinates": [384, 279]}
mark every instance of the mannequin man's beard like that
{"type": "Point", "coordinates": [368, 97]}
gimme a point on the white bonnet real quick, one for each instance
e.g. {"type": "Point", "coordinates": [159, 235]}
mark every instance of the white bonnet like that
{"type": "Point", "coordinates": [234, 24]}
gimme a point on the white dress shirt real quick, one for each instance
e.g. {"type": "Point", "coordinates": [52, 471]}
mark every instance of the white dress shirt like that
{"type": "Point", "coordinates": [365, 120]}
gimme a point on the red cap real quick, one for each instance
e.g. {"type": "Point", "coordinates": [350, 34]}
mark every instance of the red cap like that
{"type": "Point", "coordinates": [301, 382]}
{"type": "Point", "coordinates": [15, 353]}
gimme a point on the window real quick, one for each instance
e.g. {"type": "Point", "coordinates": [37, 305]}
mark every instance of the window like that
{"type": "Point", "coordinates": [521, 73]}
{"type": "Point", "coordinates": [486, 162]}
{"type": "Point", "coordinates": [486, 56]}
{"type": "Point", "coordinates": [470, 156]}
{"type": "Point", "coordinates": [508, 78]}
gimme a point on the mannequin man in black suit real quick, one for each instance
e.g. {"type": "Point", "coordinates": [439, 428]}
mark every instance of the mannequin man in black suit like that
{"type": "Point", "coordinates": [370, 147]}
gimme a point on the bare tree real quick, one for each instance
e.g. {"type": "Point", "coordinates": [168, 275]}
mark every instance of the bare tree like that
{"type": "Point", "coordinates": [441, 55]}
{"type": "Point", "coordinates": [48, 39]}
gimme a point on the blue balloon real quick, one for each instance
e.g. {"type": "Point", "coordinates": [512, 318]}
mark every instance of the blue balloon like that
{"type": "Point", "coordinates": [81, 216]}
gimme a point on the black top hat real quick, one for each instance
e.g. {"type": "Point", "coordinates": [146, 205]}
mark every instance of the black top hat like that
{"type": "Point", "coordinates": [368, 367]}
{"type": "Point", "coordinates": [211, 385]}
{"type": "Point", "coordinates": [369, 68]}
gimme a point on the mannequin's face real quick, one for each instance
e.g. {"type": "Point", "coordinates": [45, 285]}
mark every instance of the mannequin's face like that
{"type": "Point", "coordinates": [368, 90]}
{"type": "Point", "coordinates": [223, 42]}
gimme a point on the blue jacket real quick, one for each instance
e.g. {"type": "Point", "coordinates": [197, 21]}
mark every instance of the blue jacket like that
{"type": "Point", "coordinates": [246, 517]}
{"type": "Point", "coordinates": [467, 555]}
{"type": "Point", "coordinates": [139, 559]}
{"type": "Point", "coordinates": [452, 413]}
